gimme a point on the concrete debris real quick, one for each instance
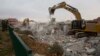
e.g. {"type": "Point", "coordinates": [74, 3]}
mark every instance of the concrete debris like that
{"type": "Point", "coordinates": [51, 33]}
{"type": "Point", "coordinates": [90, 50]}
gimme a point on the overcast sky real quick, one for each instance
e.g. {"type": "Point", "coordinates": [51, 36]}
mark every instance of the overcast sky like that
{"type": "Point", "coordinates": [38, 9]}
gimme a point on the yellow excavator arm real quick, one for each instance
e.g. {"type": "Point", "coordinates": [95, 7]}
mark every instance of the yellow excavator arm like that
{"type": "Point", "coordinates": [67, 7]}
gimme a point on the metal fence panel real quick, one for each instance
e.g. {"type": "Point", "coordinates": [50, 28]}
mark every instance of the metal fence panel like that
{"type": "Point", "coordinates": [20, 48]}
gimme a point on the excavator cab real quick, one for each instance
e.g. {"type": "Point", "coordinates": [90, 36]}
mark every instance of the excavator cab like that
{"type": "Point", "coordinates": [78, 24]}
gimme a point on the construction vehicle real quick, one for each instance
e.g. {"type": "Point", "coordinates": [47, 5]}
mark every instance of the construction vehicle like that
{"type": "Point", "coordinates": [79, 27]}
{"type": "Point", "coordinates": [27, 21]}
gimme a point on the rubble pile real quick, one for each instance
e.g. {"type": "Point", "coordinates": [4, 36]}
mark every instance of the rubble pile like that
{"type": "Point", "coordinates": [51, 33]}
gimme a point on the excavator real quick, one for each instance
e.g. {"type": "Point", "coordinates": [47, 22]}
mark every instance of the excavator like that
{"type": "Point", "coordinates": [79, 26]}
{"type": "Point", "coordinates": [27, 21]}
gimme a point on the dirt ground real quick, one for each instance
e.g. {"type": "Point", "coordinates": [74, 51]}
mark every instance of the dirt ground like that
{"type": "Point", "coordinates": [5, 44]}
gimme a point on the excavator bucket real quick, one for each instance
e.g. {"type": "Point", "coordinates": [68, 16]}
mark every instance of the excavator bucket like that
{"type": "Point", "coordinates": [51, 10]}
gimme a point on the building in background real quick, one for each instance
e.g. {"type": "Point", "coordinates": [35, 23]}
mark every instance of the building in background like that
{"type": "Point", "coordinates": [12, 21]}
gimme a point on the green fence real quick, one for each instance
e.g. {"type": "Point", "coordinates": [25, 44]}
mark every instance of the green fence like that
{"type": "Point", "coordinates": [20, 48]}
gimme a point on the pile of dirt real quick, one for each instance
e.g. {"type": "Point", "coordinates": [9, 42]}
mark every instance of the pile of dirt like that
{"type": "Point", "coordinates": [41, 48]}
